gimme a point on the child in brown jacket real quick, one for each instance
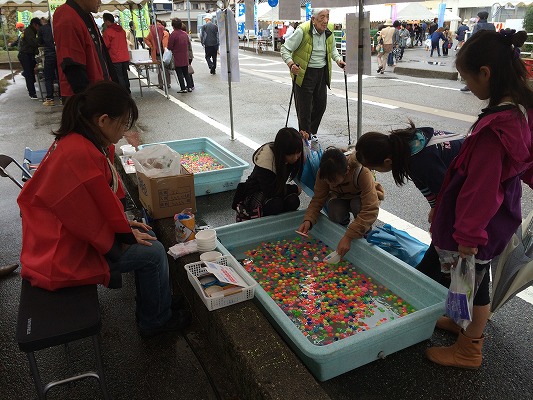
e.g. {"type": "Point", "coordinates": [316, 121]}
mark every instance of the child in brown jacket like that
{"type": "Point", "coordinates": [345, 186]}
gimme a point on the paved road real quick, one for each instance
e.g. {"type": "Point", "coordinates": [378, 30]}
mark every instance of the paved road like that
{"type": "Point", "coordinates": [260, 104]}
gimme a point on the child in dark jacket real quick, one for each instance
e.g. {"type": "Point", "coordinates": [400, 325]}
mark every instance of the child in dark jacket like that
{"type": "Point", "coordinates": [266, 191]}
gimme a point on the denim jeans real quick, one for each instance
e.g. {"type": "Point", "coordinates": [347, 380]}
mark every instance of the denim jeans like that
{"type": "Point", "coordinates": [28, 63]}
{"type": "Point", "coordinates": [50, 74]}
{"type": "Point", "coordinates": [150, 264]}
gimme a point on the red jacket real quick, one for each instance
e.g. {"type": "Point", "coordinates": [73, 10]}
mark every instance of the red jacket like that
{"type": "Point", "coordinates": [71, 218]}
{"type": "Point", "coordinates": [178, 43]}
{"type": "Point", "coordinates": [74, 46]}
{"type": "Point", "coordinates": [116, 43]}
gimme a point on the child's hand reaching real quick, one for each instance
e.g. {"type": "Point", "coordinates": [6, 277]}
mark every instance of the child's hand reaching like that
{"type": "Point", "coordinates": [305, 135]}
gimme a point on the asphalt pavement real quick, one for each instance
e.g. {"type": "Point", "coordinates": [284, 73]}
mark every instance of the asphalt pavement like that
{"type": "Point", "coordinates": [186, 366]}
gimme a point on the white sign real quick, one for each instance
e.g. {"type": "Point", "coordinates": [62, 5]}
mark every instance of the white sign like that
{"type": "Point", "coordinates": [289, 10]}
{"type": "Point", "coordinates": [233, 50]}
{"type": "Point", "coordinates": [249, 18]}
{"type": "Point", "coordinates": [352, 44]}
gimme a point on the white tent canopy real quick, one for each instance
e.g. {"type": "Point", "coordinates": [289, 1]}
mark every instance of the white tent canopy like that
{"type": "Point", "coordinates": [414, 12]}
{"type": "Point", "coordinates": [42, 5]}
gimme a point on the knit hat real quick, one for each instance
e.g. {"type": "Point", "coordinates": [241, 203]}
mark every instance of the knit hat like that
{"type": "Point", "coordinates": [19, 25]}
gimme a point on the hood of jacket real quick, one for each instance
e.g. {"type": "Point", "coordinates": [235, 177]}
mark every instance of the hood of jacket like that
{"type": "Point", "coordinates": [513, 130]}
{"type": "Point", "coordinates": [264, 157]}
{"type": "Point", "coordinates": [115, 27]}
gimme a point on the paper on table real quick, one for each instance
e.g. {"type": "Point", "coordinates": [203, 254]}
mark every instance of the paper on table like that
{"type": "Point", "coordinates": [225, 274]}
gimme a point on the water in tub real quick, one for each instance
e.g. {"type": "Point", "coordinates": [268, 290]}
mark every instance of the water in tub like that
{"type": "Point", "coordinates": [327, 302]}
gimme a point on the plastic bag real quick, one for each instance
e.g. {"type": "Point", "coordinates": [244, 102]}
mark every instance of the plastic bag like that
{"type": "Point", "coordinates": [460, 299]}
{"type": "Point", "coordinates": [313, 155]}
{"type": "Point", "coordinates": [167, 57]}
{"type": "Point", "coordinates": [398, 243]}
{"type": "Point", "coordinates": [157, 161]}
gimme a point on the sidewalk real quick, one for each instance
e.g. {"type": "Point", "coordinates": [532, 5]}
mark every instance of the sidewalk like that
{"type": "Point", "coordinates": [417, 62]}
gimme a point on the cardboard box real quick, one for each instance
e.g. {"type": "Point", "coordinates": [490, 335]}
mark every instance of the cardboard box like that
{"type": "Point", "coordinates": [167, 196]}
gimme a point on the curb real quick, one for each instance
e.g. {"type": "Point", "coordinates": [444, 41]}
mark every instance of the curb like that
{"type": "Point", "coordinates": [426, 73]}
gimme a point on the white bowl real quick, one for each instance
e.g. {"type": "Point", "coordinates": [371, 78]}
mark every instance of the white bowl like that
{"type": "Point", "coordinates": [210, 255]}
{"type": "Point", "coordinates": [206, 234]}
{"type": "Point", "coordinates": [208, 248]}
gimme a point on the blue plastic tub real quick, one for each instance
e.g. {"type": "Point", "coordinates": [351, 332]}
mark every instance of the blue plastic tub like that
{"type": "Point", "coordinates": [211, 181]}
{"type": "Point", "coordinates": [326, 362]}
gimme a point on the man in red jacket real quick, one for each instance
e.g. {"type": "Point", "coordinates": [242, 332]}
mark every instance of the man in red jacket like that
{"type": "Point", "coordinates": [82, 57]}
{"type": "Point", "coordinates": [117, 45]}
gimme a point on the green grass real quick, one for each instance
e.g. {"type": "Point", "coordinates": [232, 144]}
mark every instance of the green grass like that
{"type": "Point", "coordinates": [12, 53]}
{"type": "Point", "coordinates": [3, 85]}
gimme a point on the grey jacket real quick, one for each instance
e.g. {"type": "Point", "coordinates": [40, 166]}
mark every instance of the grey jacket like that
{"type": "Point", "coordinates": [209, 35]}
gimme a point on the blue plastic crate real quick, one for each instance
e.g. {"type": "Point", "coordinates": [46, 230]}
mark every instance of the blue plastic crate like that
{"type": "Point", "coordinates": [211, 181]}
{"type": "Point", "coordinates": [326, 362]}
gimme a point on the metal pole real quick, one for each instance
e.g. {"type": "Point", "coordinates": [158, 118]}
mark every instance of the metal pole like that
{"type": "Point", "coordinates": [7, 49]}
{"type": "Point", "coordinates": [228, 64]}
{"type": "Point", "coordinates": [360, 73]}
{"type": "Point", "coordinates": [189, 16]}
{"type": "Point", "coordinates": [161, 63]}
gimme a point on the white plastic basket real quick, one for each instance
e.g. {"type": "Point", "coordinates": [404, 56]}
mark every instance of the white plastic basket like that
{"type": "Point", "coordinates": [197, 269]}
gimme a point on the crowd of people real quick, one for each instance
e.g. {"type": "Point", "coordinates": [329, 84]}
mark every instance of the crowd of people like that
{"type": "Point", "coordinates": [71, 70]}
{"type": "Point", "coordinates": [474, 205]}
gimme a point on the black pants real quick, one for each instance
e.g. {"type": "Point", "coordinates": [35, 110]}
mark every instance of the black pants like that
{"type": "Point", "coordinates": [402, 49]}
{"type": "Point", "coordinates": [445, 49]}
{"type": "Point", "coordinates": [211, 56]}
{"type": "Point", "coordinates": [278, 205]}
{"type": "Point", "coordinates": [28, 63]}
{"type": "Point", "coordinates": [122, 73]}
{"type": "Point", "coordinates": [311, 99]}
{"type": "Point", "coordinates": [50, 74]}
{"type": "Point", "coordinates": [183, 72]}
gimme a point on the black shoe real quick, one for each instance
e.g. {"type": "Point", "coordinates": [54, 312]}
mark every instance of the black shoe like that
{"type": "Point", "coordinates": [379, 70]}
{"type": "Point", "coordinates": [213, 69]}
{"type": "Point", "coordinates": [465, 89]}
{"type": "Point", "coordinates": [180, 319]}
{"type": "Point", "coordinates": [34, 97]}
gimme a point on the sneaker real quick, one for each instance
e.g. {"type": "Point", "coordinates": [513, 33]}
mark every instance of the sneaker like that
{"type": "Point", "coordinates": [465, 89]}
{"type": "Point", "coordinates": [49, 102]}
{"type": "Point", "coordinates": [182, 91]}
{"type": "Point", "coordinates": [180, 320]}
{"type": "Point", "coordinates": [189, 90]}
{"type": "Point", "coordinates": [34, 97]}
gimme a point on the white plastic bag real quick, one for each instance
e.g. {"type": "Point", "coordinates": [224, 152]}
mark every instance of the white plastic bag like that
{"type": "Point", "coordinates": [167, 57]}
{"type": "Point", "coordinates": [460, 299]}
{"type": "Point", "coordinates": [157, 161]}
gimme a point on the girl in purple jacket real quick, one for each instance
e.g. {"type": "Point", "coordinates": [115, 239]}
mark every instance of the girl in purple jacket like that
{"type": "Point", "coordinates": [478, 207]}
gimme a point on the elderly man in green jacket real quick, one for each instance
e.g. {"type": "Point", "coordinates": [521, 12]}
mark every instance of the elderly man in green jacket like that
{"type": "Point", "coordinates": [309, 53]}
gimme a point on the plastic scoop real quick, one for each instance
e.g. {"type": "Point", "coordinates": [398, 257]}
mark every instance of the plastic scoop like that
{"type": "Point", "coordinates": [302, 234]}
{"type": "Point", "coordinates": [332, 258]}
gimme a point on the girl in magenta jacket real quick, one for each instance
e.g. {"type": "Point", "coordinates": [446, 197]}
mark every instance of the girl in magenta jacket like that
{"type": "Point", "coordinates": [478, 208]}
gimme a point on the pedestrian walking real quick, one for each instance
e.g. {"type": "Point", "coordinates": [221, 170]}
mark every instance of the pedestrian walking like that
{"type": "Point", "coordinates": [178, 43]}
{"type": "Point", "coordinates": [190, 69]}
{"type": "Point", "coordinates": [481, 25]}
{"type": "Point", "coordinates": [51, 75]}
{"type": "Point", "coordinates": [28, 48]}
{"type": "Point", "coordinates": [117, 45]}
{"type": "Point", "coordinates": [385, 40]}
{"type": "Point", "coordinates": [460, 34]}
{"type": "Point", "coordinates": [479, 205]}
{"type": "Point", "coordinates": [210, 41]}
{"type": "Point", "coordinates": [309, 54]}
{"type": "Point", "coordinates": [403, 36]}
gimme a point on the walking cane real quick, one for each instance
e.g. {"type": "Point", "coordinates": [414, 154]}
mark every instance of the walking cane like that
{"type": "Point", "coordinates": [347, 111]}
{"type": "Point", "coordinates": [290, 101]}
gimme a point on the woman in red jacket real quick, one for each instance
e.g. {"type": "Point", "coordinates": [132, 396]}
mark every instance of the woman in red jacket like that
{"type": "Point", "coordinates": [74, 231]}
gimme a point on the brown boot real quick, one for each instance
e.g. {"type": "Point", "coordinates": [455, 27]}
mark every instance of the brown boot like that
{"type": "Point", "coordinates": [448, 324]}
{"type": "Point", "coordinates": [465, 353]}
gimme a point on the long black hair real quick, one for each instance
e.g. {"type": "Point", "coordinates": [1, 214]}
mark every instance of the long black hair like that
{"type": "Point", "coordinates": [104, 97]}
{"type": "Point", "coordinates": [288, 141]}
{"type": "Point", "coordinates": [373, 148]}
{"type": "Point", "coordinates": [501, 53]}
